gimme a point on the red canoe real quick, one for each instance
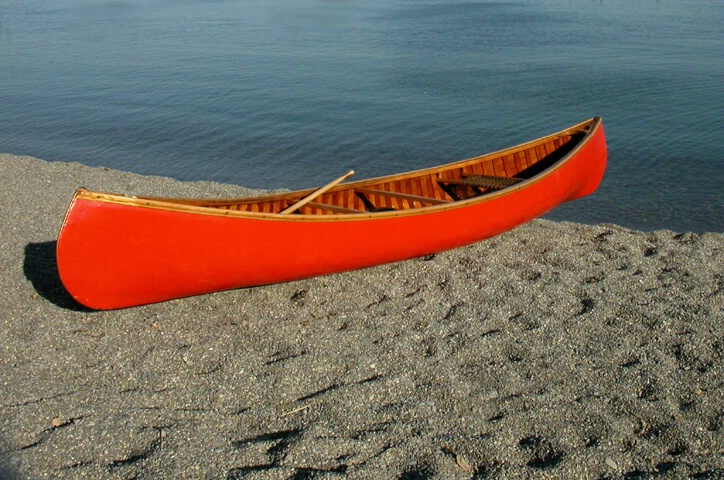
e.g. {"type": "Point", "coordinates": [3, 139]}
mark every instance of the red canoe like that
{"type": "Point", "coordinates": [118, 251]}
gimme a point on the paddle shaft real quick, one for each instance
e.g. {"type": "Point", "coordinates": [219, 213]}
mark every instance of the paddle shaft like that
{"type": "Point", "coordinates": [317, 193]}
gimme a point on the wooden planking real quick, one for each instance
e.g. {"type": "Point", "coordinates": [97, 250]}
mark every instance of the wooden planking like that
{"type": "Point", "coordinates": [263, 207]}
{"type": "Point", "coordinates": [446, 174]}
{"type": "Point", "coordinates": [426, 187]}
{"type": "Point", "coordinates": [335, 198]}
{"type": "Point", "coordinates": [327, 208]}
{"type": "Point", "coordinates": [472, 169]}
{"type": "Point", "coordinates": [506, 163]}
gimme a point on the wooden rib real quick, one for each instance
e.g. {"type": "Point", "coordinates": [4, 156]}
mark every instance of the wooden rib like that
{"type": "Point", "coordinates": [428, 188]}
{"type": "Point", "coordinates": [509, 165]}
{"type": "Point", "coordinates": [548, 148]}
{"type": "Point", "coordinates": [416, 187]}
{"type": "Point", "coordinates": [406, 188]}
{"type": "Point", "coordinates": [520, 161]}
{"type": "Point", "coordinates": [350, 199]}
{"type": "Point", "coordinates": [499, 167]}
{"type": "Point", "coordinates": [404, 196]}
{"type": "Point", "coordinates": [435, 190]}
{"type": "Point", "coordinates": [329, 198]}
{"type": "Point", "coordinates": [396, 202]}
{"type": "Point", "coordinates": [332, 208]}
{"type": "Point", "coordinates": [385, 202]}
{"type": "Point", "coordinates": [389, 202]}
{"type": "Point", "coordinates": [552, 147]}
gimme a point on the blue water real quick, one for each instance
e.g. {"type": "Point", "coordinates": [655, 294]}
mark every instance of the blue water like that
{"type": "Point", "coordinates": [272, 93]}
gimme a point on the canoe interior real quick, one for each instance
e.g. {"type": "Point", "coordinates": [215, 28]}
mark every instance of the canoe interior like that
{"type": "Point", "coordinates": [422, 188]}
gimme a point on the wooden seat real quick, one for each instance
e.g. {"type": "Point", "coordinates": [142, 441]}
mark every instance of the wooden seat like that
{"type": "Point", "coordinates": [483, 181]}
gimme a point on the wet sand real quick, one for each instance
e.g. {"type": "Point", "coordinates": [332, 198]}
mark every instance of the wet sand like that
{"type": "Point", "coordinates": [556, 350]}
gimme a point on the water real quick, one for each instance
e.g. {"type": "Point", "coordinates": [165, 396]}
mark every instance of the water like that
{"type": "Point", "coordinates": [271, 93]}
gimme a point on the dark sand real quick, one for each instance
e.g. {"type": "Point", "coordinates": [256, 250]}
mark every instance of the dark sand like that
{"type": "Point", "coordinates": [553, 351]}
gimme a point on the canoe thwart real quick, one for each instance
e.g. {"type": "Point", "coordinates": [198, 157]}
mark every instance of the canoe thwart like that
{"type": "Point", "coordinates": [402, 196]}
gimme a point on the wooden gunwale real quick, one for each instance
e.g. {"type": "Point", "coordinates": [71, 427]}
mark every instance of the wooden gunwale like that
{"type": "Point", "coordinates": [201, 206]}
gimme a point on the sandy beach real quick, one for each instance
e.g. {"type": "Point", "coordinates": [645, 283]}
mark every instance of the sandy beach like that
{"type": "Point", "coordinates": [556, 350]}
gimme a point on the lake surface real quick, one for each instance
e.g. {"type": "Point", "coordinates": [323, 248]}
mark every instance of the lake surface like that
{"type": "Point", "coordinates": [271, 93]}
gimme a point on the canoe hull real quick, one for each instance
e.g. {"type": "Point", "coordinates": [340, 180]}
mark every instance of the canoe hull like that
{"type": "Point", "coordinates": [115, 254]}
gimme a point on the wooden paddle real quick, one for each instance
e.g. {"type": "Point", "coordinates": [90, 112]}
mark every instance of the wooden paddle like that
{"type": "Point", "coordinates": [317, 193]}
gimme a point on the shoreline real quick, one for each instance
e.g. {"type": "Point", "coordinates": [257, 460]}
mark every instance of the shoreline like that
{"type": "Point", "coordinates": [556, 349]}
